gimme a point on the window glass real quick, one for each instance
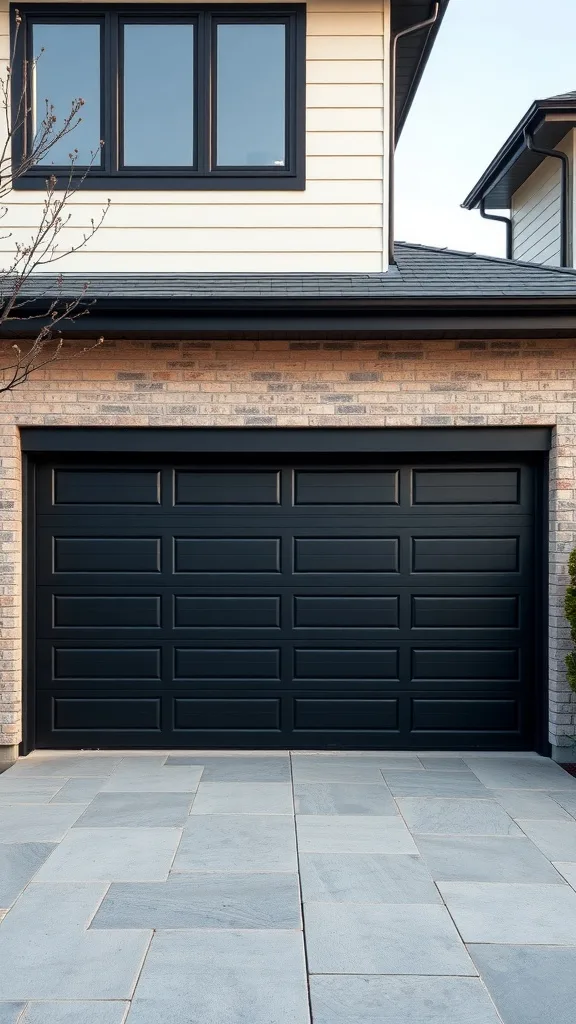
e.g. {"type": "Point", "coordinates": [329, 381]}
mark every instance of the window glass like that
{"type": "Point", "coordinates": [251, 95]}
{"type": "Point", "coordinates": [159, 95]}
{"type": "Point", "coordinates": [68, 68]}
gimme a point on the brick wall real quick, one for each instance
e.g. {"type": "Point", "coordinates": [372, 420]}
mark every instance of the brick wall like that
{"type": "Point", "coordinates": [278, 383]}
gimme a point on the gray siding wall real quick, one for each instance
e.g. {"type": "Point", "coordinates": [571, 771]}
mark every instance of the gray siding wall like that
{"type": "Point", "coordinates": [536, 216]}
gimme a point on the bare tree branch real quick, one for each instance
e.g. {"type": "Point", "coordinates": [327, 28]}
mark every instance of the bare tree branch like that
{"type": "Point", "coordinates": [46, 244]}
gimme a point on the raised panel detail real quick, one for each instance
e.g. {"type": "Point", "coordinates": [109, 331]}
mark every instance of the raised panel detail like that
{"type": "Point", "coordinates": [226, 488]}
{"type": "Point", "coordinates": [106, 487]}
{"type": "Point", "coordinates": [196, 714]}
{"type": "Point", "coordinates": [466, 487]}
{"type": "Point", "coordinates": [464, 612]}
{"type": "Point", "coordinates": [108, 714]}
{"type": "Point", "coordinates": [137, 665]}
{"type": "Point", "coordinates": [337, 663]}
{"type": "Point", "coordinates": [465, 554]}
{"type": "Point", "coordinates": [346, 554]}
{"type": "Point", "coordinates": [367, 715]}
{"type": "Point", "coordinates": [464, 664]}
{"type": "Point", "coordinates": [226, 554]}
{"type": "Point", "coordinates": [106, 554]}
{"type": "Point", "coordinates": [346, 612]}
{"type": "Point", "coordinates": [345, 487]}
{"type": "Point", "coordinates": [465, 715]}
{"type": "Point", "coordinates": [244, 664]}
{"type": "Point", "coordinates": [227, 612]}
{"type": "Point", "coordinates": [78, 612]}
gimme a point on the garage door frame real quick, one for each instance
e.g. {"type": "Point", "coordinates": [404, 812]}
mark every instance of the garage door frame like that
{"type": "Point", "coordinates": [37, 441]}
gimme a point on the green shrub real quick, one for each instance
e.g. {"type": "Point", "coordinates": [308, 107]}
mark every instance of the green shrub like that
{"type": "Point", "coordinates": [570, 612]}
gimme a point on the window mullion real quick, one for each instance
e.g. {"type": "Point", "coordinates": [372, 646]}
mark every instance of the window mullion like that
{"type": "Point", "coordinates": [110, 84]}
{"type": "Point", "coordinates": [203, 93]}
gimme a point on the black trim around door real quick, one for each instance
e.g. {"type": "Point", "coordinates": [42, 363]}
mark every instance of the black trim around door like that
{"type": "Point", "coordinates": [488, 441]}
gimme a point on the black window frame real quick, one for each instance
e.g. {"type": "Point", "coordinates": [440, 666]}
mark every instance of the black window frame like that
{"type": "Point", "coordinates": [204, 174]}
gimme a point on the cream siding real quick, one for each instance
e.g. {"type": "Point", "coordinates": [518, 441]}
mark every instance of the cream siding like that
{"type": "Point", "coordinates": [536, 212]}
{"type": "Point", "coordinates": [338, 223]}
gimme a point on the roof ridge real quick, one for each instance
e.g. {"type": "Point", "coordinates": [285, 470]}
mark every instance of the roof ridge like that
{"type": "Point", "coordinates": [523, 264]}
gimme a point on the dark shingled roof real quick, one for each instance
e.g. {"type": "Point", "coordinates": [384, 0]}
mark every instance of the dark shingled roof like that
{"type": "Point", "coordinates": [420, 272]}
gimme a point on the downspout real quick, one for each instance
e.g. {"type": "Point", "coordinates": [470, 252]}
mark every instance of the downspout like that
{"type": "Point", "coordinates": [503, 220]}
{"type": "Point", "coordinates": [564, 191]}
{"type": "Point", "coordinates": [392, 102]}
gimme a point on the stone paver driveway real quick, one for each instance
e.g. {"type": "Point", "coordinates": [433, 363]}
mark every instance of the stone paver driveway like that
{"type": "Point", "coordinates": [170, 887]}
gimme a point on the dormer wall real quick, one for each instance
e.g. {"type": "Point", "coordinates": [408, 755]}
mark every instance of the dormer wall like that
{"type": "Point", "coordinates": [536, 211]}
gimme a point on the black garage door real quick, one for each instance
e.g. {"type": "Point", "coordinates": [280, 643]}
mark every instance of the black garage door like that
{"type": "Point", "coordinates": [198, 604]}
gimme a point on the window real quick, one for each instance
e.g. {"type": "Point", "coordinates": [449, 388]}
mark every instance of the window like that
{"type": "Point", "coordinates": [182, 97]}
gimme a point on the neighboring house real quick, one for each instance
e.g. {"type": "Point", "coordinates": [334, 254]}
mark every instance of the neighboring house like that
{"type": "Point", "coordinates": [304, 495]}
{"type": "Point", "coordinates": [532, 176]}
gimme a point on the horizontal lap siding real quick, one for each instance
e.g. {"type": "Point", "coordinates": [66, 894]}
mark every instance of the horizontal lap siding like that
{"type": "Point", "coordinates": [337, 224]}
{"type": "Point", "coordinates": [536, 213]}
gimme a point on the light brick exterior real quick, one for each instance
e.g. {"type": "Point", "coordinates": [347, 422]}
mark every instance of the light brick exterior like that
{"type": "Point", "coordinates": [306, 384]}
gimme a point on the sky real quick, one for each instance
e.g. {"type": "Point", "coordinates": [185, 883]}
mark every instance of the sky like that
{"type": "Point", "coordinates": [491, 59]}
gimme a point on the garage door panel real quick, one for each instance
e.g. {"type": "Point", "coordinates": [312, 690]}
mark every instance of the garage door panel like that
{"type": "Point", "coordinates": [81, 487]}
{"type": "Point", "coordinates": [111, 714]}
{"type": "Point", "coordinates": [345, 714]}
{"type": "Point", "coordinates": [242, 665]}
{"type": "Point", "coordinates": [88, 665]}
{"type": "Point", "coordinates": [346, 487]}
{"type": "Point", "coordinates": [468, 715]}
{"type": "Point", "coordinates": [227, 487]}
{"type": "Point", "coordinates": [182, 603]}
{"type": "Point", "coordinates": [439, 612]}
{"type": "Point", "coordinates": [461, 664]}
{"type": "Point", "coordinates": [203, 714]}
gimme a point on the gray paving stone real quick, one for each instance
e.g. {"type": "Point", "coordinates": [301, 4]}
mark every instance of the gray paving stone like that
{"type": "Point", "coordinates": [485, 859]}
{"type": "Point", "coordinates": [522, 914]}
{"type": "Point", "coordinates": [529, 984]}
{"type": "Point", "coordinates": [11, 1013]}
{"type": "Point", "coordinates": [361, 938]}
{"type": "Point", "coordinates": [146, 810]}
{"type": "Point", "coordinates": [238, 768]}
{"type": "Point", "coordinates": [22, 798]}
{"type": "Point", "coordinates": [566, 799]}
{"type": "Point", "coordinates": [556, 839]}
{"type": "Point", "coordinates": [164, 780]}
{"type": "Point", "coordinates": [37, 823]}
{"type": "Point", "coordinates": [366, 878]}
{"type": "Point", "coordinates": [353, 834]}
{"type": "Point", "coordinates": [19, 787]}
{"type": "Point", "coordinates": [531, 803]}
{"type": "Point", "coordinates": [237, 842]}
{"type": "Point", "coordinates": [444, 763]}
{"type": "Point", "coordinates": [19, 862]}
{"type": "Point", "coordinates": [76, 1012]}
{"type": "Point", "coordinates": [342, 798]}
{"type": "Point", "coordinates": [432, 783]}
{"type": "Point", "coordinates": [243, 798]}
{"type": "Point", "coordinates": [320, 771]}
{"type": "Point", "coordinates": [46, 952]}
{"type": "Point", "coordinates": [58, 766]}
{"type": "Point", "coordinates": [78, 791]}
{"type": "Point", "coordinates": [370, 759]}
{"type": "Point", "coordinates": [115, 854]}
{"type": "Point", "coordinates": [373, 1000]}
{"type": "Point", "coordinates": [138, 764]}
{"type": "Point", "coordinates": [521, 773]}
{"type": "Point", "coordinates": [212, 900]}
{"type": "Point", "coordinates": [453, 816]}
{"type": "Point", "coordinates": [231, 977]}
{"type": "Point", "coordinates": [567, 870]}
